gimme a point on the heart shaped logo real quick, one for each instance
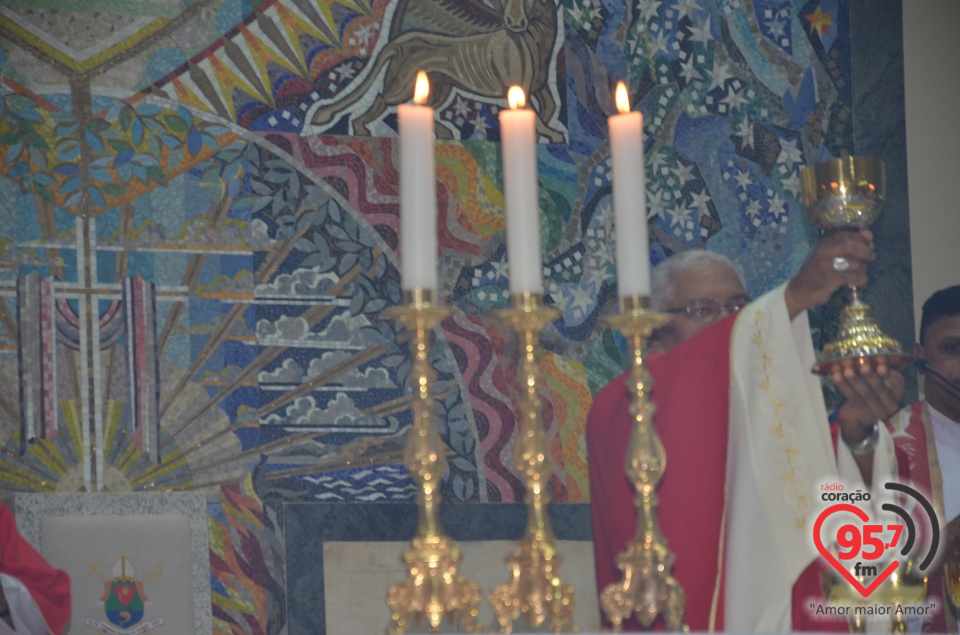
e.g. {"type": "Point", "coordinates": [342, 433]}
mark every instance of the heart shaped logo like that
{"type": "Point", "coordinates": [862, 515]}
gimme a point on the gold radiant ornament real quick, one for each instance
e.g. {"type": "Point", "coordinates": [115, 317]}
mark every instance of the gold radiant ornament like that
{"type": "Point", "coordinates": [647, 589]}
{"type": "Point", "coordinates": [434, 588]}
{"type": "Point", "coordinates": [535, 591]}
{"type": "Point", "coordinates": [842, 194]}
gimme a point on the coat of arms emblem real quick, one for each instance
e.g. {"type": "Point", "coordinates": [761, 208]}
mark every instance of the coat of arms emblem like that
{"type": "Point", "coordinates": [124, 600]}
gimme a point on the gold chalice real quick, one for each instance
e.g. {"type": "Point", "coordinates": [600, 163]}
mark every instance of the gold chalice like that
{"type": "Point", "coordinates": [847, 193]}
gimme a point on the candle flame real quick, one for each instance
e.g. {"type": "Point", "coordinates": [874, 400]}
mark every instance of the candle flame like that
{"type": "Point", "coordinates": [516, 98]}
{"type": "Point", "coordinates": [422, 89]}
{"type": "Point", "coordinates": [623, 100]}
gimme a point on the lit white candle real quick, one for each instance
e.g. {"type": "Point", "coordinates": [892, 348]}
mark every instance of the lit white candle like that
{"type": "Point", "coordinates": [629, 198]}
{"type": "Point", "coordinates": [518, 136]}
{"type": "Point", "coordinates": [418, 192]}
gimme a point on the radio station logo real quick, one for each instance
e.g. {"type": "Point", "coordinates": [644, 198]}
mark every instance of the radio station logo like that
{"type": "Point", "coordinates": [864, 547]}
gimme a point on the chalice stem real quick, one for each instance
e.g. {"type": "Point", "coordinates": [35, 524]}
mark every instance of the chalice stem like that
{"type": "Point", "coordinates": [855, 294]}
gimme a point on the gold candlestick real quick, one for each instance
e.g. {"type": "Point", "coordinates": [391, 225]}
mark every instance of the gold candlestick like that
{"type": "Point", "coordinates": [535, 590]}
{"type": "Point", "coordinates": [647, 589]}
{"type": "Point", "coordinates": [434, 589]}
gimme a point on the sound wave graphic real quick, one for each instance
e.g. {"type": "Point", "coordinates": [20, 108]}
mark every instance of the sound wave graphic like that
{"type": "Point", "coordinates": [908, 521]}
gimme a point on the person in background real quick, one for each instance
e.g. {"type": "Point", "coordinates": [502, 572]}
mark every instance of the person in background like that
{"type": "Point", "coordinates": [34, 597]}
{"type": "Point", "coordinates": [928, 432]}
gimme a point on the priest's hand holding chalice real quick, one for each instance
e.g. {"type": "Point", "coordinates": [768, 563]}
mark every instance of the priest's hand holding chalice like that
{"type": "Point", "coordinates": [843, 195]}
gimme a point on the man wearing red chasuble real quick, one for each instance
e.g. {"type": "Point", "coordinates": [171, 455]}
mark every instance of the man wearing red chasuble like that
{"type": "Point", "coordinates": [34, 597]}
{"type": "Point", "coordinates": [928, 432]}
{"type": "Point", "coordinates": [747, 439]}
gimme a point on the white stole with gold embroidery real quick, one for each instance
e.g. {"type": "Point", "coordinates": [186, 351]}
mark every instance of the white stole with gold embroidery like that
{"type": "Point", "coordinates": [779, 455]}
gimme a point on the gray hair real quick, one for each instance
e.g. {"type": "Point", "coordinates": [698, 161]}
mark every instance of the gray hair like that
{"type": "Point", "coordinates": [661, 280]}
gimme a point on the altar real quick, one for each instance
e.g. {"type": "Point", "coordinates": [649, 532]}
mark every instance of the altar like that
{"type": "Point", "coordinates": [342, 557]}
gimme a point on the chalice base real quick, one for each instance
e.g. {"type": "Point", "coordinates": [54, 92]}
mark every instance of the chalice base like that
{"type": "Point", "coordinates": [860, 343]}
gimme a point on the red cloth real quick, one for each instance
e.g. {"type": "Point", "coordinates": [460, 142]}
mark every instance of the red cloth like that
{"type": "Point", "coordinates": [691, 392]}
{"type": "Point", "coordinates": [912, 443]}
{"type": "Point", "coordinates": [49, 587]}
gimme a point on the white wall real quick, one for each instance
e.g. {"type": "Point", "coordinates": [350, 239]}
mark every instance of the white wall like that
{"type": "Point", "coordinates": [931, 51]}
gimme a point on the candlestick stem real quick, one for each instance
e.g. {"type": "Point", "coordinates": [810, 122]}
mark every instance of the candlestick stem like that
{"type": "Point", "coordinates": [535, 591]}
{"type": "Point", "coordinates": [647, 589]}
{"type": "Point", "coordinates": [434, 589]}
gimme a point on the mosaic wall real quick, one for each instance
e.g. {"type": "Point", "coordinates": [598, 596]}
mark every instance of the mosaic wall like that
{"type": "Point", "coordinates": [199, 232]}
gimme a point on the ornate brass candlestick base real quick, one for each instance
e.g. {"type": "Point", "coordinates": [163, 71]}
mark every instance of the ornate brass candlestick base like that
{"type": "Point", "coordinates": [647, 588]}
{"type": "Point", "coordinates": [840, 194]}
{"type": "Point", "coordinates": [434, 588]}
{"type": "Point", "coordinates": [535, 590]}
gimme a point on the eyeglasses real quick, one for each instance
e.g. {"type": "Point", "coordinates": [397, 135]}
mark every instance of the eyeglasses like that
{"type": "Point", "coordinates": [706, 309]}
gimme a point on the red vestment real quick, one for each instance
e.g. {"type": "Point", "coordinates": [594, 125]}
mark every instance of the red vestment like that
{"type": "Point", "coordinates": [49, 587]}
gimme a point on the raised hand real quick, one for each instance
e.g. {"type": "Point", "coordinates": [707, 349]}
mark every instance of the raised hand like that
{"type": "Point", "coordinates": [839, 259]}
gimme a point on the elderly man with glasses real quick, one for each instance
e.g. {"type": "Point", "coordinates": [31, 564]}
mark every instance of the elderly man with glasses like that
{"type": "Point", "coordinates": [747, 439]}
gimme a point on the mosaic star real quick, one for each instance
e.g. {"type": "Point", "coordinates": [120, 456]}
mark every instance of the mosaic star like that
{"type": "Point", "coordinates": [819, 21]}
